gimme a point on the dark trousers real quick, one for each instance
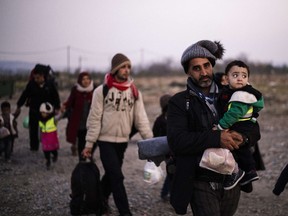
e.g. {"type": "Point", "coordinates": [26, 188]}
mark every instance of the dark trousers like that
{"type": "Point", "coordinates": [34, 130]}
{"type": "Point", "coordinates": [47, 155]}
{"type": "Point", "coordinates": [166, 187]}
{"type": "Point", "coordinates": [213, 200]}
{"type": "Point", "coordinates": [243, 155]}
{"type": "Point", "coordinates": [244, 158]}
{"type": "Point", "coordinates": [112, 155]}
{"type": "Point", "coordinates": [5, 146]}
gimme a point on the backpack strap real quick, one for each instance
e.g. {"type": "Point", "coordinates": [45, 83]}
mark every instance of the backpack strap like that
{"type": "Point", "coordinates": [105, 90]}
{"type": "Point", "coordinates": [133, 88]}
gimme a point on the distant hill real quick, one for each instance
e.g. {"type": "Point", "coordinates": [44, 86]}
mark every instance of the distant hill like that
{"type": "Point", "coordinates": [16, 66]}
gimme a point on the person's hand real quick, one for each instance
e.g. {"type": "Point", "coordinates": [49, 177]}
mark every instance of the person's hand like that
{"type": "Point", "coordinates": [87, 152]}
{"type": "Point", "coordinates": [227, 139]}
{"type": "Point", "coordinates": [237, 137]}
{"type": "Point", "coordinates": [63, 108]}
{"type": "Point", "coordinates": [17, 112]}
{"type": "Point", "coordinates": [57, 111]}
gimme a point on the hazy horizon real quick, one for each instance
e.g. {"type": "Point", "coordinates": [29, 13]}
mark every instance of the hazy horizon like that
{"type": "Point", "coordinates": [91, 31]}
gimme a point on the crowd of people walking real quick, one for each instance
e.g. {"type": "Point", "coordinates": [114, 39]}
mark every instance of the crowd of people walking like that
{"type": "Point", "coordinates": [199, 121]}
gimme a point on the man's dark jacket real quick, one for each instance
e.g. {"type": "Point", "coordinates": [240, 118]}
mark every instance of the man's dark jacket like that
{"type": "Point", "coordinates": [189, 133]}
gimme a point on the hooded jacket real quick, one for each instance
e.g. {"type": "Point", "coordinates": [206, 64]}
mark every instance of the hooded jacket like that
{"type": "Point", "coordinates": [111, 118]}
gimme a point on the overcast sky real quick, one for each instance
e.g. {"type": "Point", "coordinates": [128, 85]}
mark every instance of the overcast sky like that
{"type": "Point", "coordinates": [39, 31]}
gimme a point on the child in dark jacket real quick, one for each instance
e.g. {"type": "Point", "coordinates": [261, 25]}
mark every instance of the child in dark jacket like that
{"type": "Point", "coordinates": [160, 129]}
{"type": "Point", "coordinates": [48, 133]}
{"type": "Point", "coordinates": [8, 125]}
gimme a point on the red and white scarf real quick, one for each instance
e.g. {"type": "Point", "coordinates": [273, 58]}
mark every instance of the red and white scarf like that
{"type": "Point", "coordinates": [110, 81]}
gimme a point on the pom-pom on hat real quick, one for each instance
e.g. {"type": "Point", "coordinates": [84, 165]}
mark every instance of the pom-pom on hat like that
{"type": "Point", "coordinates": [202, 49]}
{"type": "Point", "coordinates": [46, 108]}
{"type": "Point", "coordinates": [118, 61]}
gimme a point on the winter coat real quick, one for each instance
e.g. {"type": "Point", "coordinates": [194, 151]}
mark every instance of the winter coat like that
{"type": "Point", "coordinates": [189, 133]}
{"type": "Point", "coordinates": [33, 95]}
{"type": "Point", "coordinates": [111, 119]}
{"type": "Point", "coordinates": [49, 135]}
{"type": "Point", "coordinates": [75, 105]}
{"type": "Point", "coordinates": [238, 110]}
{"type": "Point", "coordinates": [160, 126]}
{"type": "Point", "coordinates": [10, 123]}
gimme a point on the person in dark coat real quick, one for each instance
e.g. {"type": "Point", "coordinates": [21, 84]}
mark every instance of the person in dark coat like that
{"type": "Point", "coordinates": [160, 129]}
{"type": "Point", "coordinates": [78, 106]}
{"type": "Point", "coordinates": [281, 181]}
{"type": "Point", "coordinates": [37, 91]}
{"type": "Point", "coordinates": [190, 119]}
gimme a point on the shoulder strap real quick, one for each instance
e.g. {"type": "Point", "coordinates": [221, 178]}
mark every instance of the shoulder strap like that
{"type": "Point", "coordinates": [106, 89]}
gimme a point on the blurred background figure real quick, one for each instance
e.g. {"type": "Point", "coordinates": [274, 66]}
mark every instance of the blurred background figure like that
{"type": "Point", "coordinates": [48, 133]}
{"type": "Point", "coordinates": [77, 109]}
{"type": "Point", "coordinates": [38, 90]}
{"type": "Point", "coordinates": [9, 124]}
{"type": "Point", "coordinates": [281, 181]}
{"type": "Point", "coordinates": [160, 129]}
{"type": "Point", "coordinates": [220, 79]}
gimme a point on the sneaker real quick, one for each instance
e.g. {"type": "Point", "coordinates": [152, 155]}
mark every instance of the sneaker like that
{"type": "Point", "coordinates": [232, 180]}
{"type": "Point", "coordinates": [248, 188]}
{"type": "Point", "coordinates": [249, 177]}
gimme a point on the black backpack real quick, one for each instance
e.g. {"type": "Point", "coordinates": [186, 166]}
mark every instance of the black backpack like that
{"type": "Point", "coordinates": [86, 196]}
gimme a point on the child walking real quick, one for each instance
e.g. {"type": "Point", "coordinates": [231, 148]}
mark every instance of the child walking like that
{"type": "Point", "coordinates": [160, 129]}
{"type": "Point", "coordinates": [48, 133]}
{"type": "Point", "coordinates": [239, 104]}
{"type": "Point", "coordinates": [9, 130]}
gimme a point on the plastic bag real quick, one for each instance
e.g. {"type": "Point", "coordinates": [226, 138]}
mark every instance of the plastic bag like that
{"type": "Point", "coordinates": [218, 160]}
{"type": "Point", "coordinates": [26, 122]}
{"type": "Point", "coordinates": [152, 173]}
{"type": "Point", "coordinates": [4, 132]}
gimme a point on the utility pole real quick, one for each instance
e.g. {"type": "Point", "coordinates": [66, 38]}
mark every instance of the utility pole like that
{"type": "Point", "coordinates": [68, 59]}
{"type": "Point", "coordinates": [80, 63]}
{"type": "Point", "coordinates": [141, 59]}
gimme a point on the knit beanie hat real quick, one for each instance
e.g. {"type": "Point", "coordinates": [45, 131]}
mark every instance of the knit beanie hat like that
{"type": "Point", "coordinates": [118, 61]}
{"type": "Point", "coordinates": [46, 108]}
{"type": "Point", "coordinates": [202, 49]}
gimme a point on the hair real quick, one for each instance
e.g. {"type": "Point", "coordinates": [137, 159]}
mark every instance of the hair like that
{"type": "Point", "coordinates": [236, 63]}
{"type": "Point", "coordinates": [164, 100]}
{"type": "Point", "coordinates": [218, 77]}
{"type": "Point", "coordinates": [81, 75]}
{"type": "Point", "coordinates": [5, 104]}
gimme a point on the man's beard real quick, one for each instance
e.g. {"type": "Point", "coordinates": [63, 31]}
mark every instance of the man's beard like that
{"type": "Point", "coordinates": [203, 84]}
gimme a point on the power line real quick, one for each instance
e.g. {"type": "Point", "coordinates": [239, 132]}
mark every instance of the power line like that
{"type": "Point", "coordinates": [33, 52]}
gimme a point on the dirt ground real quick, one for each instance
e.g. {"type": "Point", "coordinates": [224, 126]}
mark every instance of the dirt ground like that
{"type": "Point", "coordinates": [27, 188]}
